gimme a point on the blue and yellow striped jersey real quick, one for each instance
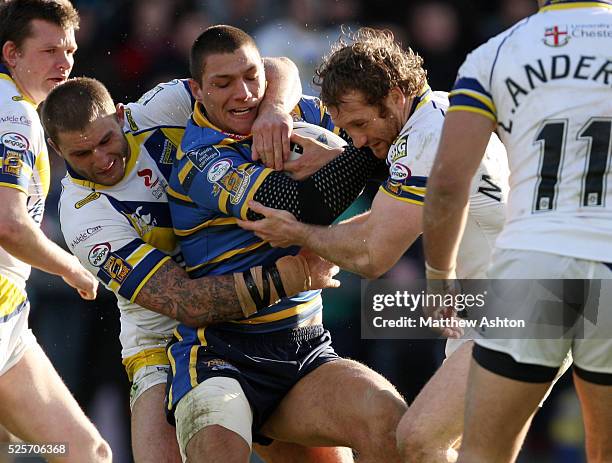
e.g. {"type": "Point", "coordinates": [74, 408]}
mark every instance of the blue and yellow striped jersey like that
{"type": "Point", "coordinates": [212, 181]}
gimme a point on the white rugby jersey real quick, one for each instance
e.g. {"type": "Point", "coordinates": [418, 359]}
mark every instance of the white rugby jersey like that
{"type": "Point", "coordinates": [123, 233]}
{"type": "Point", "coordinates": [547, 82]}
{"type": "Point", "coordinates": [410, 159]}
{"type": "Point", "coordinates": [25, 167]}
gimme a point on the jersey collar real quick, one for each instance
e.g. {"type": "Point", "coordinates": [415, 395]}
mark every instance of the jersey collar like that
{"type": "Point", "coordinates": [550, 5]}
{"type": "Point", "coordinates": [420, 100]}
{"type": "Point", "coordinates": [223, 138]}
{"type": "Point", "coordinates": [5, 74]}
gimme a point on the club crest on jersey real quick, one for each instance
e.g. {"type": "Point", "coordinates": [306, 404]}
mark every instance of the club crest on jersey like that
{"type": "Point", "coordinates": [556, 36]}
{"type": "Point", "coordinates": [98, 254]}
{"type": "Point", "coordinates": [117, 268]}
{"type": "Point", "coordinates": [399, 149]}
{"type": "Point", "coordinates": [142, 220]}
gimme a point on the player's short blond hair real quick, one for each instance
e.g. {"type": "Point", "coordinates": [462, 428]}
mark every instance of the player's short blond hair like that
{"type": "Point", "coordinates": [73, 105]}
{"type": "Point", "coordinates": [372, 62]}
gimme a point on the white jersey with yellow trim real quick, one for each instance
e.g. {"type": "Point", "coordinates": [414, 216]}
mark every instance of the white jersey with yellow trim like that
{"type": "Point", "coordinates": [546, 82]}
{"type": "Point", "coordinates": [411, 158]}
{"type": "Point", "coordinates": [25, 167]}
{"type": "Point", "coordinates": [123, 233]}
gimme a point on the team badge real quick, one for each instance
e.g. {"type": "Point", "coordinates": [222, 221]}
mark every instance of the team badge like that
{"type": "Point", "coordinates": [555, 36]}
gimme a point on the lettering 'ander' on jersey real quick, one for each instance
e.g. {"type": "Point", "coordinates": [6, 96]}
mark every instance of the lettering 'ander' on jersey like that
{"type": "Point", "coordinates": [548, 89]}
{"type": "Point", "coordinates": [210, 186]}
{"type": "Point", "coordinates": [123, 233]}
{"type": "Point", "coordinates": [24, 165]}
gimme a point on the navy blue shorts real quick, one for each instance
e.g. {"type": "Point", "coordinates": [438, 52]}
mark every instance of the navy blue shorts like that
{"type": "Point", "coordinates": [267, 365]}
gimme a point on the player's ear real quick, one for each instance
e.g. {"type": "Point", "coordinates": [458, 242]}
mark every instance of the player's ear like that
{"type": "Point", "coordinates": [54, 146]}
{"type": "Point", "coordinates": [9, 53]}
{"type": "Point", "coordinates": [196, 89]}
{"type": "Point", "coordinates": [120, 110]}
{"type": "Point", "coordinates": [396, 96]}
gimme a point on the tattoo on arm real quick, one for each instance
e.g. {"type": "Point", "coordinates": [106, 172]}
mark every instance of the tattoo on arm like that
{"type": "Point", "coordinates": [195, 303]}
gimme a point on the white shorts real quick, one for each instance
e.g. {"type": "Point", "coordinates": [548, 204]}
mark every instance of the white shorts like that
{"type": "Point", "coordinates": [591, 352]}
{"type": "Point", "coordinates": [216, 401]}
{"type": "Point", "coordinates": [145, 378]}
{"type": "Point", "coordinates": [15, 339]}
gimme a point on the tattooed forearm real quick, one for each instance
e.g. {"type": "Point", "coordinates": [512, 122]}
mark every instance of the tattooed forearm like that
{"type": "Point", "coordinates": [195, 303]}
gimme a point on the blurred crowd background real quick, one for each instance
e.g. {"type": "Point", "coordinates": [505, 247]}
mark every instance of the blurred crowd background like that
{"type": "Point", "coordinates": [133, 45]}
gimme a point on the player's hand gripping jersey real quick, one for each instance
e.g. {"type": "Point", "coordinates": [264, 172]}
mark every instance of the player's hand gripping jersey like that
{"type": "Point", "coordinates": [123, 233]}
{"type": "Point", "coordinates": [410, 160]}
{"type": "Point", "coordinates": [25, 166]}
{"type": "Point", "coordinates": [554, 114]}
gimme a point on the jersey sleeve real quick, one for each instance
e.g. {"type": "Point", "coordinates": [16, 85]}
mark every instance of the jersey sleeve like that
{"type": "Point", "coordinates": [107, 245]}
{"type": "Point", "coordinates": [410, 160]}
{"type": "Point", "coordinates": [219, 178]}
{"type": "Point", "coordinates": [166, 105]}
{"type": "Point", "coordinates": [21, 147]}
{"type": "Point", "coordinates": [472, 89]}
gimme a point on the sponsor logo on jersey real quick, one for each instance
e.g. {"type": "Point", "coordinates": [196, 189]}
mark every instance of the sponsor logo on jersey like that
{"type": "Point", "coordinates": [117, 268]}
{"type": "Point", "coordinates": [156, 186]}
{"type": "Point", "coordinates": [85, 235]}
{"type": "Point", "coordinates": [168, 153]}
{"type": "Point", "coordinates": [15, 141]}
{"type": "Point", "coordinates": [130, 120]}
{"type": "Point", "coordinates": [556, 36]}
{"type": "Point", "coordinates": [218, 170]}
{"type": "Point", "coordinates": [99, 254]}
{"type": "Point", "coordinates": [12, 163]}
{"type": "Point", "coordinates": [399, 172]}
{"type": "Point", "coordinates": [14, 119]}
{"type": "Point", "coordinates": [203, 156]}
{"type": "Point", "coordinates": [87, 199]}
{"type": "Point", "coordinates": [399, 149]}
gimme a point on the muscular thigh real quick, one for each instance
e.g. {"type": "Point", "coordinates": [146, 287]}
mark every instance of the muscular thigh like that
{"type": "Point", "coordinates": [153, 439]}
{"type": "Point", "coordinates": [332, 405]}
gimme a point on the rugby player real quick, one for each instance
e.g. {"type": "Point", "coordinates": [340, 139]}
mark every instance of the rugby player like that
{"type": "Point", "coordinates": [378, 93]}
{"type": "Point", "coordinates": [38, 48]}
{"type": "Point", "coordinates": [274, 373]}
{"type": "Point", "coordinates": [115, 219]}
{"type": "Point", "coordinates": [544, 85]}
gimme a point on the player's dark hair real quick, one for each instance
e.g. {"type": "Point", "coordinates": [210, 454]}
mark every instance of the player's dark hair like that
{"type": "Point", "coordinates": [16, 17]}
{"type": "Point", "coordinates": [216, 40]}
{"type": "Point", "coordinates": [73, 105]}
{"type": "Point", "coordinates": [372, 62]}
